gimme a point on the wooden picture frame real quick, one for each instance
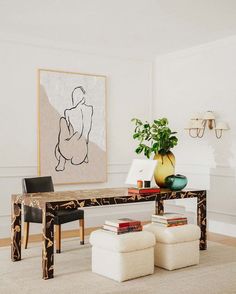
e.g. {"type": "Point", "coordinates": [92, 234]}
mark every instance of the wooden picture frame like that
{"type": "Point", "coordinates": [72, 126]}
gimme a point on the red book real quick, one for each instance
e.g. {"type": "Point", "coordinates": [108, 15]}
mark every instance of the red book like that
{"type": "Point", "coordinates": [115, 229]}
{"type": "Point", "coordinates": [122, 222]}
{"type": "Point", "coordinates": [131, 222]}
{"type": "Point", "coordinates": [144, 190]}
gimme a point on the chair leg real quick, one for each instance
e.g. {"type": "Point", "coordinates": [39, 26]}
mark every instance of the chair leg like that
{"type": "Point", "coordinates": [81, 231]}
{"type": "Point", "coordinates": [58, 238]}
{"type": "Point", "coordinates": [26, 234]}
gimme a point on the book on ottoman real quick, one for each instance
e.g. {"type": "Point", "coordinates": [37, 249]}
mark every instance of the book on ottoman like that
{"type": "Point", "coordinates": [122, 225]}
{"type": "Point", "coordinates": [122, 222]}
{"type": "Point", "coordinates": [169, 219]}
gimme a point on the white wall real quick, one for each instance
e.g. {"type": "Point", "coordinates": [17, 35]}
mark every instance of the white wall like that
{"type": "Point", "coordinates": [196, 80]}
{"type": "Point", "coordinates": [129, 94]}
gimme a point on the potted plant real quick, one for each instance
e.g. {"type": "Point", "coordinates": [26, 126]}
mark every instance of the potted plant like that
{"type": "Point", "coordinates": [157, 138]}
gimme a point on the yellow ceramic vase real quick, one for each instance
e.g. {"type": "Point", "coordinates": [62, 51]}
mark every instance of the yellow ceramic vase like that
{"type": "Point", "coordinates": [165, 167]}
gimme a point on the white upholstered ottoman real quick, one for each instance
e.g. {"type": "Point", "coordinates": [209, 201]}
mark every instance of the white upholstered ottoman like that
{"type": "Point", "coordinates": [176, 247]}
{"type": "Point", "coordinates": [122, 257]}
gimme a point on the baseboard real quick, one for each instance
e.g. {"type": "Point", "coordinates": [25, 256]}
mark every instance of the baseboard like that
{"type": "Point", "coordinates": [38, 237]}
{"type": "Point", "coordinates": [64, 235]}
{"type": "Point", "coordinates": [94, 217]}
{"type": "Point", "coordinates": [218, 227]}
{"type": "Point", "coordinates": [75, 233]}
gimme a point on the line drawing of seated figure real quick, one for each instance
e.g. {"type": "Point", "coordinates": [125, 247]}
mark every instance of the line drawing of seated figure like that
{"type": "Point", "coordinates": [74, 130]}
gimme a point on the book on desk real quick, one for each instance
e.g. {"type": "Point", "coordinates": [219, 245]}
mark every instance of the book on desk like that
{"type": "Point", "coordinates": [144, 191]}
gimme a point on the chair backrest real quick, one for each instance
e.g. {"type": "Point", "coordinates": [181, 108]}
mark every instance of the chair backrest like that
{"type": "Point", "coordinates": [38, 184]}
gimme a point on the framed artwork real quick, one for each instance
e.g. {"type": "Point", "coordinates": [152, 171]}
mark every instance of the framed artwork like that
{"type": "Point", "coordinates": [72, 127]}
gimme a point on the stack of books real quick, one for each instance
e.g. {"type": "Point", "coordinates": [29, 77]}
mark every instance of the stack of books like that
{"type": "Point", "coordinates": [122, 226]}
{"type": "Point", "coordinates": [169, 219]}
{"type": "Point", "coordinates": [144, 191]}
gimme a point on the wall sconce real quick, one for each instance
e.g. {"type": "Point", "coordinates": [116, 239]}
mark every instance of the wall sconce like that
{"type": "Point", "coordinates": [197, 125]}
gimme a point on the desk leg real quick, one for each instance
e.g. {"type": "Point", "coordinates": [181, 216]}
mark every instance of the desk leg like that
{"type": "Point", "coordinates": [202, 219]}
{"type": "Point", "coordinates": [159, 206]}
{"type": "Point", "coordinates": [16, 231]}
{"type": "Point", "coordinates": [48, 242]}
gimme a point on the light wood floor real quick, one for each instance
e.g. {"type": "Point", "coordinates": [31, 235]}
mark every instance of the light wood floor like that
{"type": "Point", "coordinates": [75, 233]}
{"type": "Point", "coordinates": [222, 239]}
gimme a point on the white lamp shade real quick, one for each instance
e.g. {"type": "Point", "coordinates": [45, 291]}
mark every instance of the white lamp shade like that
{"type": "Point", "coordinates": [197, 124]}
{"type": "Point", "coordinates": [209, 115]}
{"type": "Point", "coordinates": [197, 115]}
{"type": "Point", "coordinates": [222, 126]}
{"type": "Point", "coordinates": [189, 125]}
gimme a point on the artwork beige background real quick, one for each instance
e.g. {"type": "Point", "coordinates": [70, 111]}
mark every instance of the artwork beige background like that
{"type": "Point", "coordinates": [72, 129]}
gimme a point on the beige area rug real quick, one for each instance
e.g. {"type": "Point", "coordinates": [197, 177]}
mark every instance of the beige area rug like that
{"type": "Point", "coordinates": [216, 274]}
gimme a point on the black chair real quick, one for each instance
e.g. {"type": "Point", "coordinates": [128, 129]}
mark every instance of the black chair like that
{"type": "Point", "coordinates": [34, 215]}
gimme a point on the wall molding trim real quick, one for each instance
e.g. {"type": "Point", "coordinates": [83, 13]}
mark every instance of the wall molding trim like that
{"type": "Point", "coordinates": [17, 171]}
{"type": "Point", "coordinates": [200, 169]}
{"type": "Point", "coordinates": [27, 171]}
{"type": "Point", "coordinates": [122, 168]}
{"type": "Point", "coordinates": [222, 213]}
